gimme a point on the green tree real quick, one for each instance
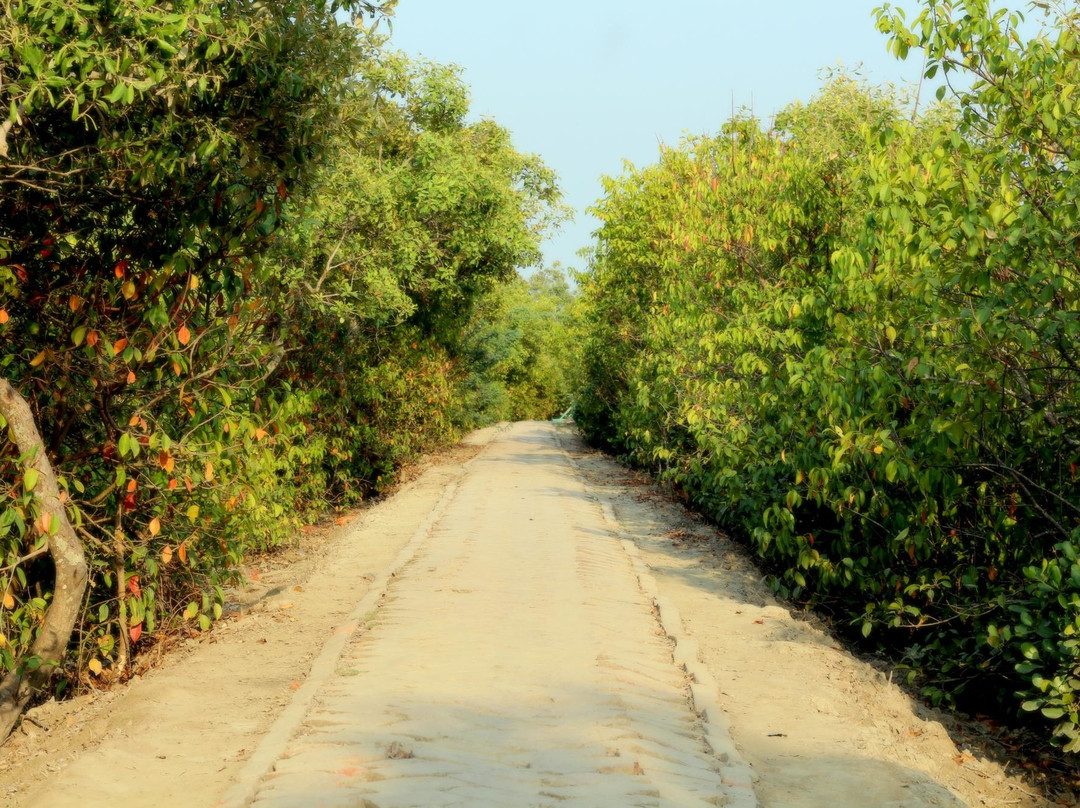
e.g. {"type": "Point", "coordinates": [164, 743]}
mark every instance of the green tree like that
{"type": "Point", "coordinates": [144, 160]}
{"type": "Point", "coordinates": [852, 340]}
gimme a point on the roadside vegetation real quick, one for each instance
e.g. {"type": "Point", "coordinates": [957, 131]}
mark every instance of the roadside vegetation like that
{"type": "Point", "coordinates": [249, 260]}
{"type": "Point", "coordinates": [852, 338]}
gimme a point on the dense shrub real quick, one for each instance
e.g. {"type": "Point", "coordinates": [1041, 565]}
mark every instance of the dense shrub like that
{"type": "Point", "coordinates": [239, 244]}
{"type": "Point", "coordinates": [852, 339]}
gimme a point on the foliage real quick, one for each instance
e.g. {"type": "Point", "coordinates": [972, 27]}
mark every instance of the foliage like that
{"type": "Point", "coordinates": [852, 339]}
{"type": "Point", "coordinates": [522, 344]}
{"type": "Point", "coordinates": [238, 245]}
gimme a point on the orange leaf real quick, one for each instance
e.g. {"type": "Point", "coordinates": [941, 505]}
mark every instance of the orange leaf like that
{"type": "Point", "coordinates": [92, 338]}
{"type": "Point", "coordinates": [75, 302]}
{"type": "Point", "coordinates": [187, 483]}
{"type": "Point", "coordinates": [131, 377]}
{"type": "Point", "coordinates": [166, 554]}
{"type": "Point", "coordinates": [172, 484]}
{"type": "Point", "coordinates": [119, 345]}
{"type": "Point", "coordinates": [183, 335]}
{"type": "Point", "coordinates": [133, 420]}
{"type": "Point", "coordinates": [131, 486]}
{"type": "Point", "coordinates": [135, 632]}
{"type": "Point", "coordinates": [182, 551]}
{"type": "Point", "coordinates": [176, 368]}
{"type": "Point", "coordinates": [45, 522]}
{"type": "Point", "coordinates": [118, 270]}
{"type": "Point", "coordinates": [4, 317]}
{"type": "Point", "coordinates": [155, 526]}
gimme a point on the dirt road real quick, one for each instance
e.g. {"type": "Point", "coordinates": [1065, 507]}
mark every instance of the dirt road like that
{"type": "Point", "coordinates": [527, 628]}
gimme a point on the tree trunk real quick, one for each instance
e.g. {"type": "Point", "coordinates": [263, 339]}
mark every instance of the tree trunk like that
{"type": "Point", "coordinates": [51, 644]}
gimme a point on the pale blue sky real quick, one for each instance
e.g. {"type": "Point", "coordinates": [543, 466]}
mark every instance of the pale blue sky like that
{"type": "Point", "coordinates": [587, 84]}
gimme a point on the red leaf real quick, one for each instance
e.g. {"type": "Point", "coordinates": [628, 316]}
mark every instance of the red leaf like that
{"type": "Point", "coordinates": [129, 502]}
{"type": "Point", "coordinates": [133, 585]}
{"type": "Point", "coordinates": [135, 632]}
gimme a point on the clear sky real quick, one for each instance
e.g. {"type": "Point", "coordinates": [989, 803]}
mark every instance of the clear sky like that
{"type": "Point", "coordinates": [590, 83]}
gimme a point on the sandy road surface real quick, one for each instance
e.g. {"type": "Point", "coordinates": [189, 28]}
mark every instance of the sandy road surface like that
{"type": "Point", "coordinates": [514, 659]}
{"type": "Point", "coordinates": [515, 662]}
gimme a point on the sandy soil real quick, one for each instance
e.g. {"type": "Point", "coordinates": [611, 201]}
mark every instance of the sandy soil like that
{"type": "Point", "coordinates": [516, 625]}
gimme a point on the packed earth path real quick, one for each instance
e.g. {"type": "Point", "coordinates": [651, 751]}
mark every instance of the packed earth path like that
{"type": "Point", "coordinates": [523, 624]}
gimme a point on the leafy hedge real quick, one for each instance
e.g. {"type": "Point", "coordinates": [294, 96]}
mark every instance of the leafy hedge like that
{"type": "Point", "coordinates": [239, 248]}
{"type": "Point", "coordinates": [853, 339]}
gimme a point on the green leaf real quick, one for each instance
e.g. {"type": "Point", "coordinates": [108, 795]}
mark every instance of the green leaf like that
{"type": "Point", "coordinates": [30, 479]}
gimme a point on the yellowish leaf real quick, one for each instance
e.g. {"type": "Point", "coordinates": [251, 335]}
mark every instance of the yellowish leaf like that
{"type": "Point", "coordinates": [155, 526]}
{"type": "Point", "coordinates": [209, 471]}
{"type": "Point", "coordinates": [37, 360]}
{"type": "Point", "coordinates": [166, 554]}
{"type": "Point", "coordinates": [9, 601]}
{"type": "Point", "coordinates": [95, 666]}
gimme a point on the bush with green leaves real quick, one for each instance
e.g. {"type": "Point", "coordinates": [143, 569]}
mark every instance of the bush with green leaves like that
{"type": "Point", "coordinates": [238, 245]}
{"type": "Point", "coordinates": [852, 339]}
